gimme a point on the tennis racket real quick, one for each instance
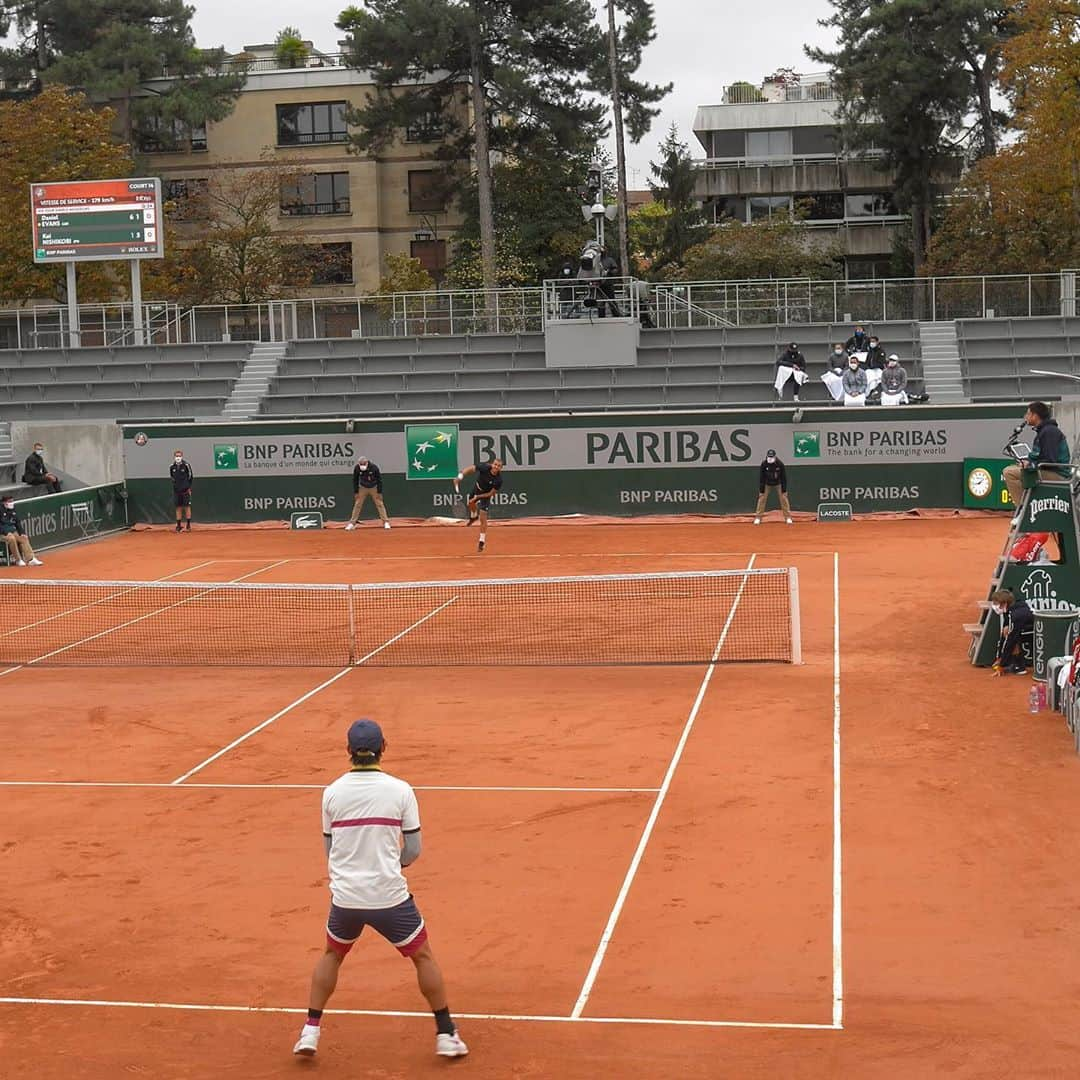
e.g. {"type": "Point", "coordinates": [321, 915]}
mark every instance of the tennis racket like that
{"type": "Point", "coordinates": [459, 508]}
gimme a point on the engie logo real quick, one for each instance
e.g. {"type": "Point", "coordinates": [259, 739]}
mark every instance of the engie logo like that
{"type": "Point", "coordinates": [806, 444]}
{"type": "Point", "coordinates": [226, 456]}
{"type": "Point", "coordinates": [1054, 504]}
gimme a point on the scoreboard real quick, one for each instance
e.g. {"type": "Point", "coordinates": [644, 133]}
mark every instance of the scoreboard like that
{"type": "Point", "coordinates": [95, 220]}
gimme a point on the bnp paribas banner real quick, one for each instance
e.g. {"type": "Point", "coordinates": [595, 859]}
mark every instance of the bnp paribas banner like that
{"type": "Point", "coordinates": [881, 459]}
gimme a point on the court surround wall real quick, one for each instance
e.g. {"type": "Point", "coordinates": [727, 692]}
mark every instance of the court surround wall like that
{"type": "Point", "coordinates": [613, 464]}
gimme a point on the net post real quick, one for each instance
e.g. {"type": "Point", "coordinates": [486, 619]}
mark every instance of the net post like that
{"type": "Point", "coordinates": [796, 619]}
{"type": "Point", "coordinates": [349, 600]}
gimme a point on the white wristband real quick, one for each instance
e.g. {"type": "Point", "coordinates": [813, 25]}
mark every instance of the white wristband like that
{"type": "Point", "coordinates": [461, 476]}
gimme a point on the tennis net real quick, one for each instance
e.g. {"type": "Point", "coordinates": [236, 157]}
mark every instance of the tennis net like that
{"type": "Point", "coordinates": [673, 618]}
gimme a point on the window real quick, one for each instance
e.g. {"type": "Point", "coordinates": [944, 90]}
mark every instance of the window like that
{"type": "Point", "coordinates": [432, 256]}
{"type": "Point", "coordinates": [156, 135]}
{"type": "Point", "coordinates": [180, 192]}
{"type": "Point", "coordinates": [426, 195]}
{"type": "Point", "coordinates": [428, 127]}
{"type": "Point", "coordinates": [318, 193]}
{"type": "Point", "coordinates": [728, 144]}
{"type": "Point", "coordinates": [768, 144]}
{"type": "Point", "coordinates": [880, 205]}
{"type": "Point", "coordinates": [332, 264]}
{"type": "Point", "coordinates": [814, 140]}
{"type": "Point", "coordinates": [821, 206]}
{"type": "Point", "coordinates": [725, 207]}
{"type": "Point", "coordinates": [763, 207]}
{"type": "Point", "coordinates": [306, 125]}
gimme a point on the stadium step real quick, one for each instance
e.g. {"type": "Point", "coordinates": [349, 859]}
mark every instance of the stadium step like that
{"type": "Point", "coordinates": [248, 391]}
{"type": "Point", "coordinates": [8, 463]}
{"type": "Point", "coordinates": [943, 376]}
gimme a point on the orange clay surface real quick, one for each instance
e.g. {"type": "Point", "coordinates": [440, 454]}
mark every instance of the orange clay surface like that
{"type": "Point", "coordinates": [960, 909]}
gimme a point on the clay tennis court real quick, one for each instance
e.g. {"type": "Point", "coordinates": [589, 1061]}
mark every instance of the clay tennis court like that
{"type": "Point", "coordinates": [627, 871]}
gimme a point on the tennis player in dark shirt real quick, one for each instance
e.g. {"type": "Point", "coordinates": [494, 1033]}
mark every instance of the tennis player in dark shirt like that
{"type": "Point", "coordinates": [488, 481]}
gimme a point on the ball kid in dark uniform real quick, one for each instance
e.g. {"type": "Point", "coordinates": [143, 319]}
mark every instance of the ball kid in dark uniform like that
{"type": "Point", "coordinates": [488, 482]}
{"type": "Point", "coordinates": [182, 478]}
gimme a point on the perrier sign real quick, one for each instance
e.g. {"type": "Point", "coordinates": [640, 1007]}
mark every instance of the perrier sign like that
{"type": "Point", "coordinates": [432, 451]}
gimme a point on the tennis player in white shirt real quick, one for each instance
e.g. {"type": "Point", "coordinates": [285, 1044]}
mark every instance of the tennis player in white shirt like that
{"type": "Point", "coordinates": [371, 829]}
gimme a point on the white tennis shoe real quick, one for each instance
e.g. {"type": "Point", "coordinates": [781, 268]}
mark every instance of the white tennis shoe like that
{"type": "Point", "coordinates": [757, 521]}
{"type": "Point", "coordinates": [450, 1045]}
{"type": "Point", "coordinates": [308, 1042]}
{"type": "Point", "coordinates": [386, 524]}
{"type": "Point", "coordinates": [36, 562]}
{"type": "Point", "coordinates": [350, 527]}
{"type": "Point", "coordinates": [21, 562]}
{"type": "Point", "coordinates": [790, 522]}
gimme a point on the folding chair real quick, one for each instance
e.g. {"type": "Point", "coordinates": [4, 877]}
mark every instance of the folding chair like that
{"type": "Point", "coordinates": [82, 514]}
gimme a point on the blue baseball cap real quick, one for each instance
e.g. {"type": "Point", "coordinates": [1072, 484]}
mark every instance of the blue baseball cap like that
{"type": "Point", "coordinates": [365, 735]}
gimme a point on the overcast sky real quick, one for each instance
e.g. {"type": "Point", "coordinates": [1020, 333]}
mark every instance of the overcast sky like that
{"type": "Point", "coordinates": [701, 46]}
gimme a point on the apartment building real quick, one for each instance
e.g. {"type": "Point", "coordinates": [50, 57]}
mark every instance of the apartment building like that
{"type": "Point", "coordinates": [359, 208]}
{"type": "Point", "coordinates": [774, 148]}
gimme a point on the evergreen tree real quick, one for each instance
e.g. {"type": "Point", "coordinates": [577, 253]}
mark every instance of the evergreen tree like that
{"type": "Point", "coordinates": [111, 50]}
{"type": "Point", "coordinates": [506, 76]}
{"type": "Point", "coordinates": [909, 73]}
{"type": "Point", "coordinates": [673, 189]}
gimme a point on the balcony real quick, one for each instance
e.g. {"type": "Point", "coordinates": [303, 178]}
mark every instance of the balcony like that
{"type": "Point", "coordinates": [782, 89]}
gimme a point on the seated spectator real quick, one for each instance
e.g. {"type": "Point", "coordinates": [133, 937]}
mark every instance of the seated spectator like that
{"type": "Point", "coordinates": [894, 383]}
{"type": "Point", "coordinates": [1017, 616]}
{"type": "Point", "coordinates": [832, 378]}
{"type": "Point", "coordinates": [36, 474]}
{"type": "Point", "coordinates": [790, 367]}
{"type": "Point", "coordinates": [858, 342]}
{"type": "Point", "coordinates": [854, 384]}
{"type": "Point", "coordinates": [1049, 454]}
{"type": "Point", "coordinates": [875, 355]}
{"type": "Point", "coordinates": [14, 535]}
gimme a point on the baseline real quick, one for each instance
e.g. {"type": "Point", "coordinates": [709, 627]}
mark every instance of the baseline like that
{"type": "Point", "coordinates": [502, 1017]}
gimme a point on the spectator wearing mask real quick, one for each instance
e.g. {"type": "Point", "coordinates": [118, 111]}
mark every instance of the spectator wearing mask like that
{"type": "Point", "coordinates": [854, 383]}
{"type": "Point", "coordinates": [772, 476]}
{"type": "Point", "coordinates": [833, 378]}
{"type": "Point", "coordinates": [14, 535]}
{"type": "Point", "coordinates": [36, 473]}
{"type": "Point", "coordinates": [875, 355]}
{"type": "Point", "coordinates": [1049, 453]}
{"type": "Point", "coordinates": [894, 383]}
{"type": "Point", "coordinates": [790, 367]}
{"type": "Point", "coordinates": [858, 342]}
{"type": "Point", "coordinates": [182, 478]}
{"type": "Point", "coordinates": [367, 480]}
{"type": "Point", "coordinates": [1017, 617]}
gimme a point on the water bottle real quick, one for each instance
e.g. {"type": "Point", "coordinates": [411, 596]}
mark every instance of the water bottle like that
{"type": "Point", "coordinates": [1043, 692]}
{"type": "Point", "coordinates": [1033, 699]}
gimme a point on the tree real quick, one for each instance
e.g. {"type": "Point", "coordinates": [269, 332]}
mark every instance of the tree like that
{"type": "Point", "coordinates": [52, 137]}
{"type": "Point", "coordinates": [224, 249]}
{"type": "Point", "coordinates": [908, 74]}
{"type": "Point", "coordinates": [1019, 211]}
{"type": "Point", "coordinates": [647, 225]}
{"type": "Point", "coordinates": [630, 97]}
{"type": "Point", "coordinates": [404, 274]}
{"type": "Point", "coordinates": [503, 76]}
{"type": "Point", "coordinates": [673, 189]}
{"type": "Point", "coordinates": [778, 248]}
{"type": "Point", "coordinates": [111, 52]}
{"type": "Point", "coordinates": [290, 49]}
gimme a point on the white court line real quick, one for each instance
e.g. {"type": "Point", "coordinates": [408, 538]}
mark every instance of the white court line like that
{"type": "Point", "coordinates": [658, 804]}
{"type": "Point", "coordinates": [81, 607]}
{"type": "Point", "coordinates": [514, 1017]}
{"type": "Point", "coordinates": [838, 907]}
{"type": "Point", "coordinates": [311, 693]}
{"type": "Point", "coordinates": [151, 614]}
{"type": "Point", "coordinates": [579, 555]}
{"type": "Point", "coordinates": [318, 787]}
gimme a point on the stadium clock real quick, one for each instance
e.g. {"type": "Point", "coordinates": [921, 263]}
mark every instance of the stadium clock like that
{"type": "Point", "coordinates": [980, 483]}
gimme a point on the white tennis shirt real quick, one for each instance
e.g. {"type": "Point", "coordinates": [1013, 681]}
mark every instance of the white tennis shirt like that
{"type": "Point", "coordinates": [364, 813]}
